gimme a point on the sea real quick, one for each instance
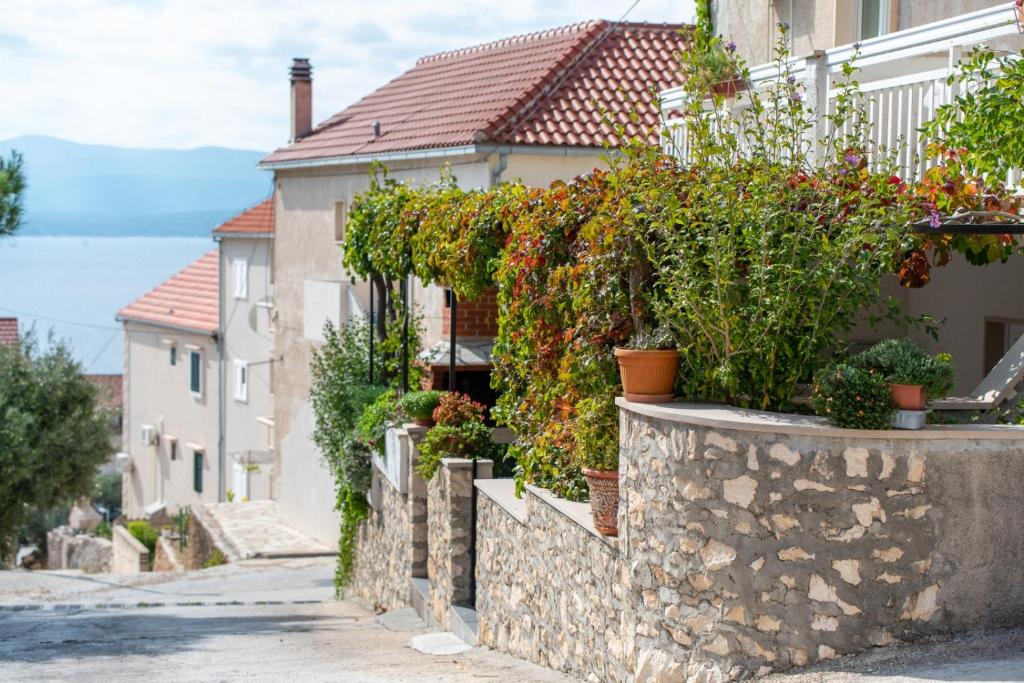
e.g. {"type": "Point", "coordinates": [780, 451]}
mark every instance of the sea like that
{"type": "Point", "coordinates": [72, 287]}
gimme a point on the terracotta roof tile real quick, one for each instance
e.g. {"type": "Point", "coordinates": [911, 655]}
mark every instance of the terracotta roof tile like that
{"type": "Point", "coordinates": [188, 300]}
{"type": "Point", "coordinates": [510, 92]}
{"type": "Point", "coordinates": [258, 219]}
{"type": "Point", "coordinates": [111, 390]}
{"type": "Point", "coordinates": [8, 331]}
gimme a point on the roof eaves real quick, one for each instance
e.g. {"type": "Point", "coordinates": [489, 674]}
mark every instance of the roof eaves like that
{"type": "Point", "coordinates": [352, 159]}
{"type": "Point", "coordinates": [206, 332]}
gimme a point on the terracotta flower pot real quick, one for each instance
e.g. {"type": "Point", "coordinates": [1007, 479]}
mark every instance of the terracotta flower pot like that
{"type": "Point", "coordinates": [604, 499]}
{"type": "Point", "coordinates": [907, 396]}
{"type": "Point", "coordinates": [424, 421]}
{"type": "Point", "coordinates": [648, 376]}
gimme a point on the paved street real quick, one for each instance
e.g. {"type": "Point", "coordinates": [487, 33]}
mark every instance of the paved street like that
{"type": "Point", "coordinates": [264, 620]}
{"type": "Point", "coordinates": [259, 621]}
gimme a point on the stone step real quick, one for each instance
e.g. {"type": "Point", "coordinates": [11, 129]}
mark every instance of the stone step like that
{"type": "Point", "coordinates": [465, 624]}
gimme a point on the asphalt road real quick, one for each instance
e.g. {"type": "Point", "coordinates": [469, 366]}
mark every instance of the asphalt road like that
{"type": "Point", "coordinates": [258, 622]}
{"type": "Point", "coordinates": [278, 621]}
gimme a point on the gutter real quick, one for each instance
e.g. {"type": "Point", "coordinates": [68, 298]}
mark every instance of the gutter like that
{"type": "Point", "coordinates": [221, 369]}
{"type": "Point", "coordinates": [434, 153]}
{"type": "Point", "coordinates": [168, 326]}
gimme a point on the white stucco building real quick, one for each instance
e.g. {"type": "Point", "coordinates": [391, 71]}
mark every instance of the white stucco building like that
{"type": "Point", "coordinates": [197, 368]}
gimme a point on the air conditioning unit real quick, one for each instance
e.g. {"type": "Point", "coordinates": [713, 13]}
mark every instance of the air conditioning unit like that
{"type": "Point", "coordinates": [150, 436]}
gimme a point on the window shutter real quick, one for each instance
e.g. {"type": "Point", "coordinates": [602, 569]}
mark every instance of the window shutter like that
{"type": "Point", "coordinates": [195, 367]}
{"type": "Point", "coordinates": [197, 471]}
{"type": "Point", "coordinates": [241, 278]}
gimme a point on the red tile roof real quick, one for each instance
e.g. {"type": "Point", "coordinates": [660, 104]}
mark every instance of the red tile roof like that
{"type": "Point", "coordinates": [8, 331]}
{"type": "Point", "coordinates": [546, 88]}
{"type": "Point", "coordinates": [258, 219]}
{"type": "Point", "coordinates": [111, 390]}
{"type": "Point", "coordinates": [189, 300]}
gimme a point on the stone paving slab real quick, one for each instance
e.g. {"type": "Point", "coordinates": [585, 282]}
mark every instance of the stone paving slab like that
{"type": "Point", "coordinates": [258, 530]}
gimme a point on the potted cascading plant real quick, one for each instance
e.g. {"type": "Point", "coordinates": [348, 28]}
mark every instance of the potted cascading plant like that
{"type": "Point", "coordinates": [595, 429]}
{"type": "Point", "coordinates": [420, 406]}
{"type": "Point", "coordinates": [914, 376]}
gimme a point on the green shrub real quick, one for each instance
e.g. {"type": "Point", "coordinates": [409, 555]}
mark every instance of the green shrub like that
{"type": "Point", "coordinates": [145, 534]}
{"type": "Point", "coordinates": [377, 417]}
{"type": "Point", "coordinates": [901, 361]}
{"type": "Point", "coordinates": [596, 431]}
{"type": "Point", "coordinates": [470, 440]}
{"type": "Point", "coordinates": [107, 494]}
{"type": "Point", "coordinates": [104, 530]}
{"type": "Point", "coordinates": [215, 559]}
{"type": "Point", "coordinates": [456, 409]}
{"type": "Point", "coordinates": [852, 397]}
{"type": "Point", "coordinates": [420, 405]}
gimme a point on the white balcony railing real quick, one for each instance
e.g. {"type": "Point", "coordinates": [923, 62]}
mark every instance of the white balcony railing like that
{"type": "Point", "coordinates": [902, 80]}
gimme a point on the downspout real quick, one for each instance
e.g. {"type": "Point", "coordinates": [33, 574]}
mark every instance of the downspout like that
{"type": "Point", "coordinates": [220, 373]}
{"type": "Point", "coordinates": [499, 168]}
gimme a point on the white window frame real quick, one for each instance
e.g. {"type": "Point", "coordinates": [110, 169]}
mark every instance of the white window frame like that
{"type": "Point", "coordinates": [240, 270]}
{"type": "Point", "coordinates": [202, 384]}
{"type": "Point", "coordinates": [241, 381]}
{"type": "Point", "coordinates": [885, 14]}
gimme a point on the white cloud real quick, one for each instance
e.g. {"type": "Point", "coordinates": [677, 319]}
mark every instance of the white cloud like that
{"type": "Point", "coordinates": [186, 73]}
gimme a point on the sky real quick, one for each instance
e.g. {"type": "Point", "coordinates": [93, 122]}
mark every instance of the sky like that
{"type": "Point", "coordinates": [189, 73]}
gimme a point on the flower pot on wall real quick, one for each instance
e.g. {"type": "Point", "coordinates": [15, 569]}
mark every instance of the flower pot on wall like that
{"type": "Point", "coordinates": [907, 396]}
{"type": "Point", "coordinates": [648, 376]}
{"type": "Point", "coordinates": [604, 499]}
{"type": "Point", "coordinates": [424, 421]}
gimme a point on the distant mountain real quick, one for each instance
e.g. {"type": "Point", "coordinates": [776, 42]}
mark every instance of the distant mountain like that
{"type": "Point", "coordinates": [77, 189]}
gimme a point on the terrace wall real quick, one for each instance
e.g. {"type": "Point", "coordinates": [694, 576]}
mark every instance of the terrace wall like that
{"type": "Point", "coordinates": [749, 542]}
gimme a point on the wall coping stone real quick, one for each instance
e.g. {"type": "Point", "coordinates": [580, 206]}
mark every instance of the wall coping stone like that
{"type": "Point", "coordinates": [502, 492]}
{"type": "Point", "coordinates": [575, 512]}
{"type": "Point", "coordinates": [744, 419]}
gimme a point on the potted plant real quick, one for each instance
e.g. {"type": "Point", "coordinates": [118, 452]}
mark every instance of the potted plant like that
{"type": "Point", "coordinates": [420, 405]}
{"type": "Point", "coordinates": [460, 433]}
{"type": "Point", "coordinates": [914, 376]}
{"type": "Point", "coordinates": [595, 430]}
{"type": "Point", "coordinates": [648, 366]}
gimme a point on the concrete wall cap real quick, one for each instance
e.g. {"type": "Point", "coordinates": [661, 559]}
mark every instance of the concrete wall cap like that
{"type": "Point", "coordinates": [747, 420]}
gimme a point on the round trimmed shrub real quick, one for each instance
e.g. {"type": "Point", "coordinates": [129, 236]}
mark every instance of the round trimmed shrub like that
{"type": "Point", "coordinates": [420, 405]}
{"type": "Point", "coordinates": [852, 397]}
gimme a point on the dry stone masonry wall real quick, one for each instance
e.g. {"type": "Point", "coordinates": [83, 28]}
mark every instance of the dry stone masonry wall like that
{"type": "Point", "coordinates": [551, 592]}
{"type": "Point", "coordinates": [391, 545]}
{"type": "Point", "coordinates": [750, 552]}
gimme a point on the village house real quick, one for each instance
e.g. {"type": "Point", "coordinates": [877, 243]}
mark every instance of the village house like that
{"type": "Point", "coordinates": [8, 331]}
{"type": "Point", "coordinates": [529, 107]}
{"type": "Point", "coordinates": [197, 359]}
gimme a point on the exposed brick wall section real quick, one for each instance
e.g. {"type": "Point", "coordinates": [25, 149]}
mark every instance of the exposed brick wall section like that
{"type": "Point", "coordinates": [477, 318]}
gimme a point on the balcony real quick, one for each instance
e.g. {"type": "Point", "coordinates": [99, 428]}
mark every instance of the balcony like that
{"type": "Point", "coordinates": [903, 81]}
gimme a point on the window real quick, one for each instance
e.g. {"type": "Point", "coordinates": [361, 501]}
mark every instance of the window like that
{"type": "Point", "coordinates": [197, 471]}
{"type": "Point", "coordinates": [339, 221]}
{"type": "Point", "coordinates": [241, 270]}
{"type": "Point", "coordinates": [195, 372]}
{"type": "Point", "coordinates": [174, 354]}
{"type": "Point", "coordinates": [172, 447]}
{"type": "Point", "coordinates": [241, 381]}
{"type": "Point", "coordinates": [872, 18]}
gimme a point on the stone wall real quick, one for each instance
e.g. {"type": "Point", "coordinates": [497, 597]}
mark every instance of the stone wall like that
{"type": "Point", "coordinates": [757, 542]}
{"type": "Point", "coordinates": [129, 555]}
{"type": "Point", "coordinates": [204, 538]}
{"type": "Point", "coordinates": [391, 545]}
{"type": "Point", "coordinates": [167, 559]}
{"type": "Point", "coordinates": [68, 550]}
{"type": "Point", "coordinates": [450, 534]}
{"type": "Point", "coordinates": [551, 591]}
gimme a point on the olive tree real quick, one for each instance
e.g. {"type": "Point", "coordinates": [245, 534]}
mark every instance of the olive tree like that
{"type": "Point", "coordinates": [53, 435]}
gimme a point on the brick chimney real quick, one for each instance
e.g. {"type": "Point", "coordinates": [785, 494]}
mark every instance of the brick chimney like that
{"type": "Point", "coordinates": [301, 75]}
